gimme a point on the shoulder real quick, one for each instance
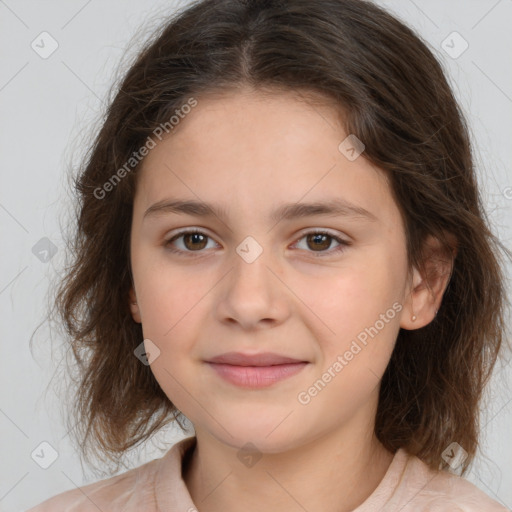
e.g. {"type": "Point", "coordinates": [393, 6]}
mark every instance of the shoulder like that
{"type": "Point", "coordinates": [427, 490]}
{"type": "Point", "coordinates": [125, 492]}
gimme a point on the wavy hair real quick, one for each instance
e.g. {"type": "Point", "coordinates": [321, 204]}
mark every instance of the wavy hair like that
{"type": "Point", "coordinates": [395, 97]}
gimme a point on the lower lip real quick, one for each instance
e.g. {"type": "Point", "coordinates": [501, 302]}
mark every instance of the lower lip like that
{"type": "Point", "coordinates": [256, 376]}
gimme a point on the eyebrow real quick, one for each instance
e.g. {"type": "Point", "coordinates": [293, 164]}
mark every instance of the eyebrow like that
{"type": "Point", "coordinates": [287, 211]}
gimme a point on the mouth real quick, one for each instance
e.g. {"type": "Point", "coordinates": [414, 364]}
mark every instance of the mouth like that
{"type": "Point", "coordinates": [257, 370]}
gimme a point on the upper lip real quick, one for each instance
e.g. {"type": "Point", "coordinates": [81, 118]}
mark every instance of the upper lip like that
{"type": "Point", "coordinates": [262, 359]}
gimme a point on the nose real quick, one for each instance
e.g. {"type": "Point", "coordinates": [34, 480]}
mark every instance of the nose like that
{"type": "Point", "coordinates": [253, 295]}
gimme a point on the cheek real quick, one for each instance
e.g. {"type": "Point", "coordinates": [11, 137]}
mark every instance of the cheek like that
{"type": "Point", "coordinates": [170, 305]}
{"type": "Point", "coordinates": [352, 297]}
{"type": "Point", "coordinates": [362, 313]}
{"type": "Point", "coordinates": [356, 311]}
{"type": "Point", "coordinates": [167, 292]}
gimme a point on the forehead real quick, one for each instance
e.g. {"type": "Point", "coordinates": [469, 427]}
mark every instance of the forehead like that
{"type": "Point", "coordinates": [251, 150]}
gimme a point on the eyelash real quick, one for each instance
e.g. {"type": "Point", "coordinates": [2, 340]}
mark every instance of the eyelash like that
{"type": "Point", "coordinates": [320, 254]}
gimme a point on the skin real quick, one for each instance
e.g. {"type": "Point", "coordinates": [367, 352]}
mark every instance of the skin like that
{"type": "Point", "coordinates": [250, 153]}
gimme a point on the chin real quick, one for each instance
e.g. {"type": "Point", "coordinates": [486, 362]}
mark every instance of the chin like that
{"type": "Point", "coordinates": [268, 434]}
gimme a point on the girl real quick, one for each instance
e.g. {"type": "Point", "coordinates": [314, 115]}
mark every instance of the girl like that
{"type": "Point", "coordinates": [280, 238]}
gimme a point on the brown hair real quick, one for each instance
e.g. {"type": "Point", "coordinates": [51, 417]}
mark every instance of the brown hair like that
{"type": "Point", "coordinates": [396, 99]}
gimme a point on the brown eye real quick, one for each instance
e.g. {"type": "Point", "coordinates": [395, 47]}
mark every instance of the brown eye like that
{"type": "Point", "coordinates": [188, 242]}
{"type": "Point", "coordinates": [319, 241]}
{"type": "Point", "coordinates": [194, 241]}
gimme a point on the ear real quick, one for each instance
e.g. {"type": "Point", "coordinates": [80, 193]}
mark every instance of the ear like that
{"type": "Point", "coordinates": [134, 307]}
{"type": "Point", "coordinates": [425, 291]}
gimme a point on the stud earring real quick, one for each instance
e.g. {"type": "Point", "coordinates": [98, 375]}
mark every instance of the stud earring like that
{"type": "Point", "coordinates": [413, 318]}
{"type": "Point", "coordinates": [134, 303]}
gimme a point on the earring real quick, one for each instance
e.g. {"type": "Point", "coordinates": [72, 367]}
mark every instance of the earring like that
{"type": "Point", "coordinates": [134, 303]}
{"type": "Point", "coordinates": [413, 318]}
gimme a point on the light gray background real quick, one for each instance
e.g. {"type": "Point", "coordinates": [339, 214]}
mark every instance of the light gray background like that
{"type": "Point", "coordinates": [48, 109]}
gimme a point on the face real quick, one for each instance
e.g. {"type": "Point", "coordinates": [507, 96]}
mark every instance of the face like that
{"type": "Point", "coordinates": [323, 289]}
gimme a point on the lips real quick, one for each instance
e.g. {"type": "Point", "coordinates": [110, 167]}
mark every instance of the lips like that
{"type": "Point", "coordinates": [263, 359]}
{"type": "Point", "coordinates": [255, 371]}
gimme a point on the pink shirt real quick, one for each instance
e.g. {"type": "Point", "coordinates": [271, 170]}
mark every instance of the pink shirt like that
{"type": "Point", "coordinates": [157, 486]}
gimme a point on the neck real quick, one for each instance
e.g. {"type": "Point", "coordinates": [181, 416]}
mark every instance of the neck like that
{"type": "Point", "coordinates": [335, 472]}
